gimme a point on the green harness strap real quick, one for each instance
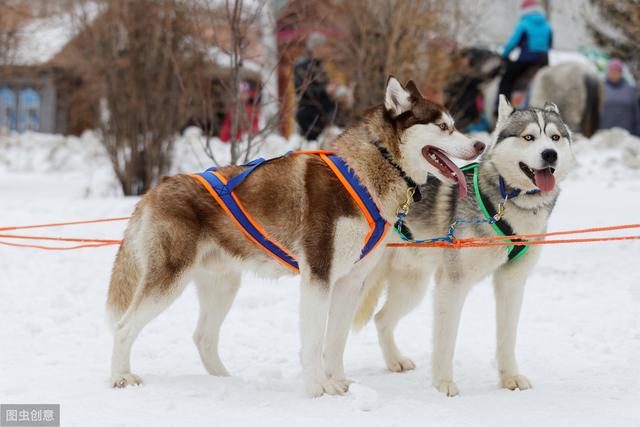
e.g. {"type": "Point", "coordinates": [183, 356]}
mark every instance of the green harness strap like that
{"type": "Point", "coordinates": [485, 212]}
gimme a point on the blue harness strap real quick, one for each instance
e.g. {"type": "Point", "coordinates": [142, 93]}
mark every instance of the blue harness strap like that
{"type": "Point", "coordinates": [371, 212]}
{"type": "Point", "coordinates": [222, 192]}
{"type": "Point", "coordinates": [230, 203]}
{"type": "Point", "coordinates": [236, 180]}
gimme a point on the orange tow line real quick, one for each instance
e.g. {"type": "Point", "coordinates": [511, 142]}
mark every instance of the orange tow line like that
{"type": "Point", "coordinates": [87, 243]}
{"type": "Point", "coordinates": [475, 242]}
{"type": "Point", "coordinates": [478, 242]}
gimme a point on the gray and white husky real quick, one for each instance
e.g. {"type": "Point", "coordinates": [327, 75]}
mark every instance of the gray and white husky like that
{"type": "Point", "coordinates": [530, 152]}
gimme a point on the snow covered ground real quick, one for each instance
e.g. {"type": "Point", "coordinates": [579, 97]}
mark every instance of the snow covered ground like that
{"type": "Point", "coordinates": [579, 338]}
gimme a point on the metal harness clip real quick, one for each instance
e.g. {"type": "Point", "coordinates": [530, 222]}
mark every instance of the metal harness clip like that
{"type": "Point", "coordinates": [498, 216]}
{"type": "Point", "coordinates": [403, 209]}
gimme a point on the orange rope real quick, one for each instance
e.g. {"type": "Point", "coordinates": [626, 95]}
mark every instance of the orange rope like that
{"type": "Point", "coordinates": [60, 239]}
{"type": "Point", "coordinates": [555, 233]}
{"type": "Point", "coordinates": [546, 242]}
{"type": "Point", "coordinates": [59, 224]}
{"type": "Point", "coordinates": [487, 242]}
{"type": "Point", "coordinates": [476, 242]}
{"type": "Point", "coordinates": [52, 248]}
{"type": "Point", "coordinates": [90, 243]}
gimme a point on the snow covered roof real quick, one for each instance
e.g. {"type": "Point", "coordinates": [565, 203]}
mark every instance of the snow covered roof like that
{"type": "Point", "coordinates": [39, 40]}
{"type": "Point", "coordinates": [247, 5]}
{"type": "Point", "coordinates": [223, 59]}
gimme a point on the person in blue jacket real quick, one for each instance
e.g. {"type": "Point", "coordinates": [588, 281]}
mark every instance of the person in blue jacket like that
{"type": "Point", "coordinates": [533, 35]}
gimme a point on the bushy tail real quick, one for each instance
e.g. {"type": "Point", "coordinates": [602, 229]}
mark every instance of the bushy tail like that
{"type": "Point", "coordinates": [591, 116]}
{"type": "Point", "coordinates": [124, 276]}
{"type": "Point", "coordinates": [368, 303]}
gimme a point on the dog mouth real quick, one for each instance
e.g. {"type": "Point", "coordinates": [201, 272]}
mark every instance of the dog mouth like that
{"type": "Point", "coordinates": [436, 158]}
{"type": "Point", "coordinates": [541, 178]}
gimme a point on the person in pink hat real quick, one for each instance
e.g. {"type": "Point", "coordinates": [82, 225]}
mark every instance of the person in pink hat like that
{"type": "Point", "coordinates": [620, 108]}
{"type": "Point", "coordinates": [533, 35]}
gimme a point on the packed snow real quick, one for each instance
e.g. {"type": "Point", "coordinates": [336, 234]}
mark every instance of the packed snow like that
{"type": "Point", "coordinates": [579, 339]}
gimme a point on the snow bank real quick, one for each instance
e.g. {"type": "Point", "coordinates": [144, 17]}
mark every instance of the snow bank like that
{"type": "Point", "coordinates": [76, 158]}
{"type": "Point", "coordinates": [610, 149]}
{"type": "Point", "coordinates": [85, 158]}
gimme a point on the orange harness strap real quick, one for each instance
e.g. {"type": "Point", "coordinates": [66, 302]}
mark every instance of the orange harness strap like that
{"type": "Point", "coordinates": [222, 190]}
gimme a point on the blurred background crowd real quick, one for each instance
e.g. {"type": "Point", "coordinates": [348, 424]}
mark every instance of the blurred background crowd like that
{"type": "Point", "coordinates": [140, 72]}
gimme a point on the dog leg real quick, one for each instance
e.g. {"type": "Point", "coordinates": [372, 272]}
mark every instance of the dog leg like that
{"type": "Point", "coordinates": [509, 286]}
{"type": "Point", "coordinates": [344, 301]}
{"type": "Point", "coordinates": [145, 306]}
{"type": "Point", "coordinates": [449, 296]}
{"type": "Point", "coordinates": [215, 295]}
{"type": "Point", "coordinates": [405, 292]}
{"type": "Point", "coordinates": [314, 306]}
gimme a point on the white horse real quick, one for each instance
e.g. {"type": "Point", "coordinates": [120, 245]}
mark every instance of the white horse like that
{"type": "Point", "coordinates": [574, 87]}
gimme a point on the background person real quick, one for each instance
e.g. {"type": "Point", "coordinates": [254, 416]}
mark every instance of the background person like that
{"type": "Point", "coordinates": [621, 108]}
{"type": "Point", "coordinates": [463, 95]}
{"type": "Point", "coordinates": [534, 36]}
{"type": "Point", "coordinates": [249, 118]}
{"type": "Point", "coordinates": [316, 107]}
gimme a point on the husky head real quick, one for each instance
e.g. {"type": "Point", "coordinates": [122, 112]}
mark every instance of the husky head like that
{"type": "Point", "coordinates": [532, 149]}
{"type": "Point", "coordinates": [427, 136]}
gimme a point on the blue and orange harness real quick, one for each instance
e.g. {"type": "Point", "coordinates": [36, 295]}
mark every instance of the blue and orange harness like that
{"type": "Point", "coordinates": [222, 191]}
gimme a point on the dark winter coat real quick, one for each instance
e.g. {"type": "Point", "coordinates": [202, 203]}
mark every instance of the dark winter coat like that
{"type": "Point", "coordinates": [315, 107]}
{"type": "Point", "coordinates": [620, 107]}
{"type": "Point", "coordinates": [462, 93]}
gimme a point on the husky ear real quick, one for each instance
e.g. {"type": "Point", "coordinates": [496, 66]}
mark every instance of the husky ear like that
{"type": "Point", "coordinates": [504, 108]}
{"type": "Point", "coordinates": [550, 106]}
{"type": "Point", "coordinates": [413, 89]}
{"type": "Point", "coordinates": [396, 99]}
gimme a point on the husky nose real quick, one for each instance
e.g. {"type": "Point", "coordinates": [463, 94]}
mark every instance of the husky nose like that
{"type": "Point", "coordinates": [549, 156]}
{"type": "Point", "coordinates": [479, 147]}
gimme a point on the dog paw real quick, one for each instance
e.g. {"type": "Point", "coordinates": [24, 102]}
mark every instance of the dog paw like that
{"type": "Point", "coordinates": [340, 380]}
{"type": "Point", "coordinates": [125, 379]}
{"type": "Point", "coordinates": [447, 387]}
{"type": "Point", "coordinates": [513, 382]}
{"type": "Point", "coordinates": [338, 386]}
{"type": "Point", "coordinates": [401, 364]}
{"type": "Point", "coordinates": [218, 371]}
{"type": "Point", "coordinates": [327, 386]}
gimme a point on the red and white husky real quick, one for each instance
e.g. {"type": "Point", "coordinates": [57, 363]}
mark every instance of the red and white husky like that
{"type": "Point", "coordinates": [178, 234]}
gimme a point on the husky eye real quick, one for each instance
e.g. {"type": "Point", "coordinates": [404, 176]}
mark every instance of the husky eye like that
{"type": "Point", "coordinates": [443, 126]}
{"type": "Point", "coordinates": [528, 137]}
{"type": "Point", "coordinates": [555, 137]}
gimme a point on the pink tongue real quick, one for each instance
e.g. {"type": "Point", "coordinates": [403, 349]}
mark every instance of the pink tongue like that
{"type": "Point", "coordinates": [462, 181]}
{"type": "Point", "coordinates": [545, 180]}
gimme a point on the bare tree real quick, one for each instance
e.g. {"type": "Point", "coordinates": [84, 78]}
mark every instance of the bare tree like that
{"type": "Point", "coordinates": [137, 54]}
{"type": "Point", "coordinates": [243, 40]}
{"type": "Point", "coordinates": [12, 14]}
{"type": "Point", "coordinates": [231, 32]}
{"type": "Point", "coordinates": [618, 30]}
{"type": "Point", "coordinates": [382, 37]}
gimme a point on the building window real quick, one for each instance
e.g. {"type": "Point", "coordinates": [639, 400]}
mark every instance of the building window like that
{"type": "Point", "coordinates": [29, 110]}
{"type": "Point", "coordinates": [8, 103]}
